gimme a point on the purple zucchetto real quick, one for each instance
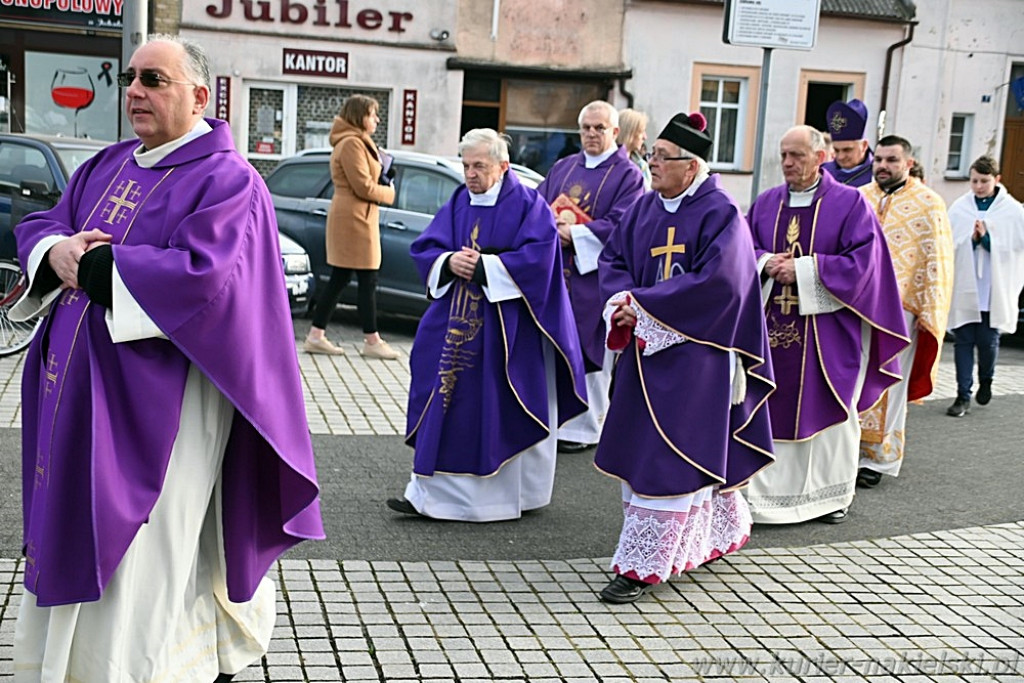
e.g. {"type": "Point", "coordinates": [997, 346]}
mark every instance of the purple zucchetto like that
{"type": "Point", "coordinates": [687, 131]}
{"type": "Point", "coordinates": [847, 120]}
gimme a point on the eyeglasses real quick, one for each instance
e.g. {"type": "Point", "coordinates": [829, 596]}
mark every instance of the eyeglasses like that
{"type": "Point", "coordinates": [148, 79]}
{"type": "Point", "coordinates": [660, 157]}
{"type": "Point", "coordinates": [599, 129]}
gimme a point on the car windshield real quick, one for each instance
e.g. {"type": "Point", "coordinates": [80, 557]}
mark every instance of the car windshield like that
{"type": "Point", "coordinates": [73, 157]}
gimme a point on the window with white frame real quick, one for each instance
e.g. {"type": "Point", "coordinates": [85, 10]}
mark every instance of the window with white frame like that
{"type": "Point", "coordinates": [723, 103]}
{"type": "Point", "coordinates": [958, 160]}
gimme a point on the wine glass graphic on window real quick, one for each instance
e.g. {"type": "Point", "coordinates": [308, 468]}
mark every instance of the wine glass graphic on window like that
{"type": "Point", "coordinates": [72, 88]}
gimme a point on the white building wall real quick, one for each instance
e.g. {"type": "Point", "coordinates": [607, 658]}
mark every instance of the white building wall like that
{"type": "Point", "coordinates": [961, 54]}
{"type": "Point", "coordinates": [663, 42]}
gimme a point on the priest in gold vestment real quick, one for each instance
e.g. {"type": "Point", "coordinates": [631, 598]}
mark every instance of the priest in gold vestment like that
{"type": "Point", "coordinates": [916, 227]}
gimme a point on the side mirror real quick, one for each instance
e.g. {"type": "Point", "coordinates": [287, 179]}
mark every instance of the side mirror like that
{"type": "Point", "coordinates": [35, 189]}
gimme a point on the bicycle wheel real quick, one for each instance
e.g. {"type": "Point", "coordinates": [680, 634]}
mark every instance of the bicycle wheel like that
{"type": "Point", "coordinates": [13, 336]}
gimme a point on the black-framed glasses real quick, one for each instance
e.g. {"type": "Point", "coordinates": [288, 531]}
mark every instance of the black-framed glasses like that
{"type": "Point", "coordinates": [659, 157]}
{"type": "Point", "coordinates": [148, 79]}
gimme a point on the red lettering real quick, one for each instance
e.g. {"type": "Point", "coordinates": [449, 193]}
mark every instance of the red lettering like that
{"type": "Point", "coordinates": [225, 10]}
{"type": "Point", "coordinates": [321, 13]}
{"type": "Point", "coordinates": [396, 21]}
{"type": "Point", "coordinates": [343, 14]}
{"type": "Point", "coordinates": [264, 7]}
{"type": "Point", "coordinates": [286, 13]}
{"type": "Point", "coordinates": [370, 19]}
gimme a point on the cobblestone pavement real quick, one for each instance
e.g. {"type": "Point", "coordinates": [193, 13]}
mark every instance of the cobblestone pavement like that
{"type": "Point", "coordinates": [939, 606]}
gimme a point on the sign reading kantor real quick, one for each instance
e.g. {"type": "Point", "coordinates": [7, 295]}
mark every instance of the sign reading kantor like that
{"type": "Point", "coordinates": [791, 24]}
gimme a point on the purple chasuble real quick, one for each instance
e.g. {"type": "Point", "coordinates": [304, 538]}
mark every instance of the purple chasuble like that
{"type": "Point", "coordinates": [604, 192]}
{"type": "Point", "coordinates": [859, 175]}
{"type": "Point", "coordinates": [195, 242]}
{"type": "Point", "coordinates": [478, 394]}
{"type": "Point", "coordinates": [671, 428]}
{"type": "Point", "coordinates": [817, 357]}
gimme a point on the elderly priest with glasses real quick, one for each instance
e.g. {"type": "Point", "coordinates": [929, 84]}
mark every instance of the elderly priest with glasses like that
{"type": "Point", "coordinates": [688, 424]}
{"type": "Point", "coordinates": [166, 459]}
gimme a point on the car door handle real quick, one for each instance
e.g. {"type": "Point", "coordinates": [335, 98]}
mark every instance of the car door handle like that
{"type": "Point", "coordinates": [396, 225]}
{"type": "Point", "coordinates": [319, 212]}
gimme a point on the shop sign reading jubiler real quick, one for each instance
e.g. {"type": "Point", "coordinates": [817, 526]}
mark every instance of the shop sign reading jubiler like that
{"type": "Point", "coordinates": [315, 63]}
{"type": "Point", "coordinates": [317, 13]}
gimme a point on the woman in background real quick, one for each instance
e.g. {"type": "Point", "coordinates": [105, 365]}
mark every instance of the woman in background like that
{"type": "Point", "coordinates": [362, 181]}
{"type": "Point", "coordinates": [633, 135]}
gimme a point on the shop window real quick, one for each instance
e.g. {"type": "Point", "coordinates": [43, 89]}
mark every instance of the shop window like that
{"type": "Point", "coordinates": [958, 159]}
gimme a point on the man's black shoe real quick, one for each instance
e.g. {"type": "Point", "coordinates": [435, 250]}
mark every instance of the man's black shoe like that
{"type": "Point", "coordinates": [837, 517]}
{"type": "Point", "coordinates": [572, 446]}
{"type": "Point", "coordinates": [623, 590]}
{"type": "Point", "coordinates": [403, 506]}
{"type": "Point", "coordinates": [984, 394]}
{"type": "Point", "coordinates": [868, 479]}
{"type": "Point", "coordinates": [960, 407]}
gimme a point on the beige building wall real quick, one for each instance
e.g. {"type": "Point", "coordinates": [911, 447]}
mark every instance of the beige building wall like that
{"type": "Point", "coordinates": [559, 34]}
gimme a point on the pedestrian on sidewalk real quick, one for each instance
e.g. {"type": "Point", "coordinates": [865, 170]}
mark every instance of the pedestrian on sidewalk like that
{"type": "Point", "coordinates": [916, 228]}
{"type": "Point", "coordinates": [362, 181]}
{"type": "Point", "coordinates": [588, 192]}
{"type": "Point", "coordinates": [988, 234]}
{"type": "Point", "coordinates": [496, 364]}
{"type": "Point", "coordinates": [836, 327]}
{"type": "Point", "coordinates": [167, 461]}
{"type": "Point", "coordinates": [688, 423]}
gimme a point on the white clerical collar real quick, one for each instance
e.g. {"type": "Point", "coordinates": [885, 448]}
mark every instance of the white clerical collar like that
{"type": "Point", "coordinates": [148, 158]}
{"type": "Point", "coordinates": [488, 197]}
{"type": "Point", "coordinates": [594, 162]}
{"type": "Point", "coordinates": [672, 205]}
{"type": "Point", "coordinates": [802, 198]}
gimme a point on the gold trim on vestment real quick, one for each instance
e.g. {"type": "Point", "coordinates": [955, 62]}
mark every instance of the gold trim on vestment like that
{"type": "Point", "coordinates": [74, 338]}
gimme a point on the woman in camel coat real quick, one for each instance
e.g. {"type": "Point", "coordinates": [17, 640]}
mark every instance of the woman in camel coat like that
{"type": "Point", "coordinates": [361, 183]}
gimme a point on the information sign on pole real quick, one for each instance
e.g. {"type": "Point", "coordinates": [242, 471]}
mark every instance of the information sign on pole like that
{"type": "Point", "coordinates": [790, 24]}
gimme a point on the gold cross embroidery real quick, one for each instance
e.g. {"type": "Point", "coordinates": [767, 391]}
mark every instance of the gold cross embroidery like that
{"type": "Point", "coordinates": [112, 213]}
{"type": "Point", "coordinates": [787, 299]}
{"type": "Point", "coordinates": [51, 374]}
{"type": "Point", "coordinates": [668, 250]}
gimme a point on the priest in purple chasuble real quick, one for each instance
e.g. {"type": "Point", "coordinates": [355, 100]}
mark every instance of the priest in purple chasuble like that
{"type": "Point", "coordinates": [846, 122]}
{"type": "Point", "coordinates": [835, 327]}
{"type": "Point", "coordinates": [688, 423]}
{"type": "Point", "coordinates": [167, 462]}
{"type": "Point", "coordinates": [496, 365]}
{"type": "Point", "coordinates": [916, 228]}
{"type": "Point", "coordinates": [601, 182]}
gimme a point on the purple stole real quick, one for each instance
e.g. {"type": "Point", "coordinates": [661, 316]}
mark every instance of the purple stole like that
{"type": "Point", "coordinates": [76, 348]}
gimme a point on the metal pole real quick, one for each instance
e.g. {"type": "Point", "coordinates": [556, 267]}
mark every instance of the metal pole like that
{"type": "Point", "coordinates": [762, 110]}
{"type": "Point", "coordinates": [135, 18]}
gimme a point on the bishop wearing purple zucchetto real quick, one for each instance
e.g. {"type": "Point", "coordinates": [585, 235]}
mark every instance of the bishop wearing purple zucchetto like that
{"type": "Point", "coordinates": [166, 459]}
{"type": "Point", "coordinates": [496, 365]}
{"type": "Point", "coordinates": [688, 423]}
{"type": "Point", "coordinates": [835, 326]}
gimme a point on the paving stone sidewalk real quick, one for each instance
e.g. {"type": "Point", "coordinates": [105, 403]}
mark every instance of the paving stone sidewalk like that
{"type": "Point", "coordinates": [945, 606]}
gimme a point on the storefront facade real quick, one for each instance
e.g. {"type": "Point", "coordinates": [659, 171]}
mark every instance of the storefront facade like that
{"type": "Point", "coordinates": [281, 71]}
{"type": "Point", "coordinates": [59, 68]}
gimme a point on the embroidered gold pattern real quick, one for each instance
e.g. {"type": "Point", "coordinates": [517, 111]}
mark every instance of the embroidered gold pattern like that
{"type": "Point", "coordinates": [464, 324]}
{"type": "Point", "coordinates": [112, 212]}
{"type": "Point", "coordinates": [667, 251]}
{"type": "Point", "coordinates": [780, 335]}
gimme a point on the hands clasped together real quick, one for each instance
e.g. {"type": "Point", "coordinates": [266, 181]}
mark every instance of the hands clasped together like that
{"type": "Point", "coordinates": [65, 255]}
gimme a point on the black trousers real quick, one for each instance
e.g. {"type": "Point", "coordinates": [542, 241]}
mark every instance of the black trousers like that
{"type": "Point", "coordinates": [366, 302]}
